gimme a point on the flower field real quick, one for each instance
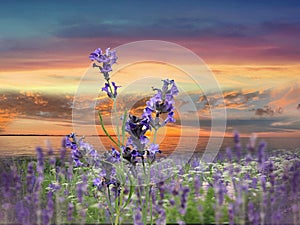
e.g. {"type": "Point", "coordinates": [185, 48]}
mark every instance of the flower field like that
{"type": "Point", "coordinates": [250, 187]}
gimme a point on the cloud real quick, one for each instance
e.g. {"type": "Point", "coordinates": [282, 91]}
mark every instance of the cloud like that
{"type": "Point", "coordinates": [287, 97]}
{"type": "Point", "coordinates": [161, 27]}
{"type": "Point", "coordinates": [279, 124]}
{"type": "Point", "coordinates": [33, 105]}
{"type": "Point", "coordinates": [264, 111]}
{"type": "Point", "coordinates": [239, 100]}
{"type": "Point", "coordinates": [6, 116]}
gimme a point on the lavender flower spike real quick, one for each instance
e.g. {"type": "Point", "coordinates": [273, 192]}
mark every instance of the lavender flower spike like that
{"type": "Point", "coordinates": [107, 59]}
{"type": "Point", "coordinates": [111, 93]}
{"type": "Point", "coordinates": [162, 102]}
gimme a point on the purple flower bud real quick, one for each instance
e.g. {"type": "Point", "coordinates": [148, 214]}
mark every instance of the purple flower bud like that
{"type": "Point", "coordinates": [22, 212]}
{"type": "Point", "coordinates": [231, 213]}
{"type": "Point", "coordinates": [161, 218]}
{"type": "Point", "coordinates": [30, 178]}
{"type": "Point", "coordinates": [184, 198]}
{"type": "Point", "coordinates": [144, 140]}
{"type": "Point", "coordinates": [99, 183]}
{"type": "Point", "coordinates": [108, 90]}
{"type": "Point", "coordinates": [261, 152]}
{"type": "Point", "coordinates": [154, 149]}
{"type": "Point", "coordinates": [81, 188]}
{"type": "Point", "coordinates": [70, 212]}
{"type": "Point", "coordinates": [138, 217]}
{"type": "Point", "coordinates": [236, 137]}
{"type": "Point", "coordinates": [162, 102]}
{"type": "Point", "coordinates": [106, 68]}
{"type": "Point", "coordinates": [229, 154]}
{"type": "Point", "coordinates": [63, 152]}
{"type": "Point", "coordinates": [96, 54]}
{"type": "Point", "coordinates": [172, 202]}
{"type": "Point", "coordinates": [40, 158]}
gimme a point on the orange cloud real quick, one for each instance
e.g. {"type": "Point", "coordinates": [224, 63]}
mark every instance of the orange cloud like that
{"type": "Point", "coordinates": [6, 117]}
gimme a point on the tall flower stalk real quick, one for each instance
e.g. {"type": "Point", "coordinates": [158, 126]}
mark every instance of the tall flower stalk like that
{"type": "Point", "coordinates": [137, 149]}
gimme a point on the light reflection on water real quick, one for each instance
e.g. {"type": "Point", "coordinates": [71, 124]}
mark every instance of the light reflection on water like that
{"type": "Point", "coordinates": [25, 145]}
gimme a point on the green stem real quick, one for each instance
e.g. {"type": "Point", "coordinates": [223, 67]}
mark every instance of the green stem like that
{"type": "Point", "coordinates": [120, 207]}
{"type": "Point", "coordinates": [105, 131]}
{"type": "Point", "coordinates": [117, 121]}
{"type": "Point", "coordinates": [110, 88]}
{"type": "Point", "coordinates": [147, 194]}
{"type": "Point", "coordinates": [108, 199]}
{"type": "Point", "coordinates": [151, 209]}
{"type": "Point", "coordinates": [124, 125]}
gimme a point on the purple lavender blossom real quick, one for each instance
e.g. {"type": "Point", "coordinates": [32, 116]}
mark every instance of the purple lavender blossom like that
{"type": "Point", "coordinates": [183, 200]}
{"type": "Point", "coordinates": [81, 188]}
{"type": "Point", "coordinates": [161, 217]}
{"type": "Point", "coordinates": [111, 94]}
{"type": "Point", "coordinates": [162, 102]}
{"type": "Point", "coordinates": [231, 213]}
{"type": "Point", "coordinates": [22, 212]}
{"type": "Point", "coordinates": [136, 143]}
{"type": "Point", "coordinates": [229, 154]}
{"type": "Point", "coordinates": [54, 187]}
{"type": "Point", "coordinates": [237, 147]}
{"type": "Point", "coordinates": [99, 183]}
{"type": "Point", "coordinates": [219, 187]}
{"type": "Point", "coordinates": [107, 59]}
{"type": "Point", "coordinates": [30, 178]}
{"type": "Point", "coordinates": [152, 151]}
{"type": "Point", "coordinates": [49, 210]}
{"type": "Point", "coordinates": [261, 153]}
{"type": "Point", "coordinates": [40, 159]}
{"type": "Point", "coordinates": [137, 127]}
{"type": "Point", "coordinates": [70, 212]}
{"type": "Point", "coordinates": [106, 68]}
{"type": "Point", "coordinates": [83, 154]}
{"type": "Point", "coordinates": [138, 217]}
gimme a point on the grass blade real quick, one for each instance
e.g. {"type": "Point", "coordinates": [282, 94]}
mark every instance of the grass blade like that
{"type": "Point", "coordinates": [123, 126]}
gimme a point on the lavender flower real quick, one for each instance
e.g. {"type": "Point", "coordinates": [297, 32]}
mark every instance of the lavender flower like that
{"type": "Point", "coordinates": [40, 159]}
{"type": "Point", "coordinates": [183, 200]}
{"type": "Point", "coordinates": [237, 147]}
{"type": "Point", "coordinates": [99, 183]}
{"type": "Point", "coordinates": [70, 212]}
{"type": "Point", "coordinates": [261, 155]}
{"type": "Point", "coordinates": [106, 68]}
{"type": "Point", "coordinates": [152, 151]}
{"type": "Point", "coordinates": [220, 187]}
{"type": "Point", "coordinates": [83, 154]}
{"type": "Point", "coordinates": [231, 213]}
{"type": "Point", "coordinates": [136, 143]}
{"type": "Point", "coordinates": [22, 212]}
{"type": "Point", "coordinates": [111, 93]}
{"type": "Point", "coordinates": [82, 188]}
{"type": "Point", "coordinates": [30, 178]}
{"type": "Point", "coordinates": [107, 59]}
{"type": "Point", "coordinates": [162, 217]}
{"type": "Point", "coordinates": [49, 210]}
{"type": "Point", "coordinates": [137, 127]}
{"type": "Point", "coordinates": [138, 217]}
{"type": "Point", "coordinates": [229, 154]}
{"type": "Point", "coordinates": [162, 102]}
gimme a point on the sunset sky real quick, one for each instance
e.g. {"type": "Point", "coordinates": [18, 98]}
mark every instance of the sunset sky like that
{"type": "Point", "coordinates": [251, 47]}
